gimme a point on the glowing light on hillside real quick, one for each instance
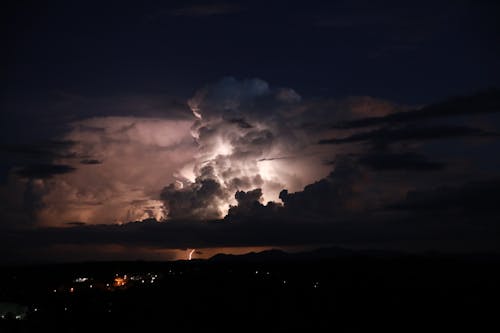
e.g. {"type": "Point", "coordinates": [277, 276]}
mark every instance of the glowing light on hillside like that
{"type": "Point", "coordinates": [119, 282]}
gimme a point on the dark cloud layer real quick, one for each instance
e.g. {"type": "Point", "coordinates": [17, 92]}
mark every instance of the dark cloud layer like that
{"type": "Point", "coordinates": [331, 197]}
{"type": "Point", "coordinates": [399, 161]}
{"type": "Point", "coordinates": [90, 161]}
{"type": "Point", "coordinates": [481, 103]}
{"type": "Point", "coordinates": [477, 200]}
{"type": "Point", "coordinates": [42, 171]}
{"type": "Point", "coordinates": [43, 150]}
{"type": "Point", "coordinates": [266, 229]}
{"type": "Point", "coordinates": [409, 133]}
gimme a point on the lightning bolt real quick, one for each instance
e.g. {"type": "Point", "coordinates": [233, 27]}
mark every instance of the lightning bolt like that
{"type": "Point", "coordinates": [191, 254]}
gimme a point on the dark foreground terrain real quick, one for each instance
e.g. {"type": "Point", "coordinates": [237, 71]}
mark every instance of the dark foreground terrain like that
{"type": "Point", "coordinates": [324, 291]}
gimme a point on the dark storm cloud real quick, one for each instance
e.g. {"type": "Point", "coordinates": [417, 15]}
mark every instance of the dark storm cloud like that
{"type": "Point", "coordinates": [90, 162]}
{"type": "Point", "coordinates": [330, 197]}
{"type": "Point", "coordinates": [249, 204]}
{"type": "Point", "coordinates": [240, 122]}
{"type": "Point", "coordinates": [200, 199]}
{"type": "Point", "coordinates": [248, 198]}
{"type": "Point", "coordinates": [474, 199]}
{"type": "Point", "coordinates": [399, 161]}
{"type": "Point", "coordinates": [57, 108]}
{"type": "Point", "coordinates": [43, 171]}
{"type": "Point", "coordinates": [480, 103]}
{"type": "Point", "coordinates": [177, 234]}
{"type": "Point", "coordinates": [42, 150]}
{"type": "Point", "coordinates": [411, 133]}
{"type": "Point", "coordinates": [264, 231]}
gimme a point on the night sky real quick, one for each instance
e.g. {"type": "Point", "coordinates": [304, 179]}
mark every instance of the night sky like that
{"type": "Point", "coordinates": [144, 130]}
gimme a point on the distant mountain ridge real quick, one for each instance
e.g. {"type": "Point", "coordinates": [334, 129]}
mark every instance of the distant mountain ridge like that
{"type": "Point", "coordinates": [326, 253]}
{"type": "Point", "coordinates": [317, 254]}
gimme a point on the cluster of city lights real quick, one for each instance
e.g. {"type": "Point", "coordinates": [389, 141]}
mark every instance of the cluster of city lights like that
{"type": "Point", "coordinates": [118, 281]}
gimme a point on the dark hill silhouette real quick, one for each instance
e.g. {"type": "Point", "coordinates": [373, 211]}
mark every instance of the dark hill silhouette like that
{"type": "Point", "coordinates": [276, 255]}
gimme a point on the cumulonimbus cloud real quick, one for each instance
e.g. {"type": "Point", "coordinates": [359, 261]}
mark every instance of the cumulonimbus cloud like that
{"type": "Point", "coordinates": [247, 170]}
{"type": "Point", "coordinates": [243, 135]}
{"type": "Point", "coordinates": [243, 129]}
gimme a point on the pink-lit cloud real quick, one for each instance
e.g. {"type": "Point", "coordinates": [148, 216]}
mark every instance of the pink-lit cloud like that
{"type": "Point", "coordinates": [243, 135]}
{"type": "Point", "coordinates": [133, 157]}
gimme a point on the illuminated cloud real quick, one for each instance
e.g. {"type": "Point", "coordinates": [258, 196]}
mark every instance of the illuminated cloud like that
{"type": "Point", "coordinates": [235, 160]}
{"type": "Point", "coordinates": [243, 136]}
{"type": "Point", "coordinates": [247, 139]}
{"type": "Point", "coordinates": [120, 166]}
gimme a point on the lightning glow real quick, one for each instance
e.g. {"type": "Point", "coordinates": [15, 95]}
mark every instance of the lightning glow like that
{"type": "Point", "coordinates": [237, 144]}
{"type": "Point", "coordinates": [190, 255]}
{"type": "Point", "coordinates": [154, 168]}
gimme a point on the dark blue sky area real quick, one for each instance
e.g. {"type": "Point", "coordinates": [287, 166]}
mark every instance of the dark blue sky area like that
{"type": "Point", "coordinates": [416, 52]}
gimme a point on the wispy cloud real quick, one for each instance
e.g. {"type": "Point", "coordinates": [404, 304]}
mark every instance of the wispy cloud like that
{"type": "Point", "coordinates": [411, 133]}
{"type": "Point", "coordinates": [480, 103]}
{"type": "Point", "coordinates": [42, 171]}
